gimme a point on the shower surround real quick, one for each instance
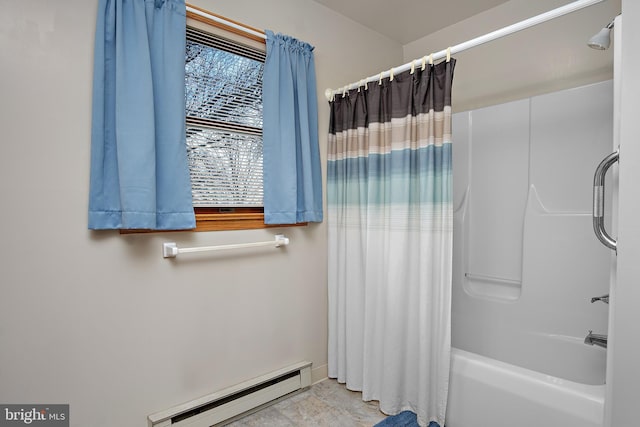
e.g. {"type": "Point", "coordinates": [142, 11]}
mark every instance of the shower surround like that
{"type": "Point", "coordinates": [526, 261]}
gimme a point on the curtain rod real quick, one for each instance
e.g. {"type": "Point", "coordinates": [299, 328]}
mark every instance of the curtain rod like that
{"type": "Point", "coordinates": [227, 22]}
{"type": "Point", "coordinates": [494, 35]}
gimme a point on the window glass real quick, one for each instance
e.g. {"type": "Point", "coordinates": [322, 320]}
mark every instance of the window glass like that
{"type": "Point", "coordinates": [223, 81]}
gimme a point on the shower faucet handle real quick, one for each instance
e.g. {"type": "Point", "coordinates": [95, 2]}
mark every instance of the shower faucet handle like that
{"type": "Point", "coordinates": [603, 298]}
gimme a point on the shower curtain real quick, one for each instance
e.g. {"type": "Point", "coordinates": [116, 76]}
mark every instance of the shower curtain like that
{"type": "Point", "coordinates": [389, 218]}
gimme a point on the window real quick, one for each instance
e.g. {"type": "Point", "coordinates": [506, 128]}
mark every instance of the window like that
{"type": "Point", "coordinates": [224, 121]}
{"type": "Point", "coordinates": [223, 87]}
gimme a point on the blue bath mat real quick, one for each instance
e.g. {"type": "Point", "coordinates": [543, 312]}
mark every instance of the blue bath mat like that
{"type": "Point", "coordinates": [403, 419]}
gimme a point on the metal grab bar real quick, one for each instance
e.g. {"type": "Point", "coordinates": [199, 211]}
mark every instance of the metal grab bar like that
{"type": "Point", "coordinates": [171, 250]}
{"type": "Point", "coordinates": [598, 200]}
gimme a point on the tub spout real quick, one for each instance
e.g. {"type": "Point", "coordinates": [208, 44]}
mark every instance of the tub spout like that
{"type": "Point", "coordinates": [596, 339]}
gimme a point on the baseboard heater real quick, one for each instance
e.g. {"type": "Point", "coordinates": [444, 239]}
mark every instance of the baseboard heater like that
{"type": "Point", "coordinates": [226, 405]}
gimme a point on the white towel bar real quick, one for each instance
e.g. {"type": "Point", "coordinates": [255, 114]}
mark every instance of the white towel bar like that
{"type": "Point", "coordinates": [171, 250]}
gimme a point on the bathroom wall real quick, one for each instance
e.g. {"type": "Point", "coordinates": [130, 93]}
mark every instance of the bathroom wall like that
{"type": "Point", "coordinates": [100, 320]}
{"type": "Point", "coordinates": [526, 261]}
{"type": "Point", "coordinates": [623, 376]}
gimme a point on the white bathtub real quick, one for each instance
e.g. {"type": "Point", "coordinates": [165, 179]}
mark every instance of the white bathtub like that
{"type": "Point", "coordinates": [487, 392]}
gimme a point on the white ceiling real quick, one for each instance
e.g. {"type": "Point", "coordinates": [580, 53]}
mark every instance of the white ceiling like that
{"type": "Point", "coordinates": [407, 20]}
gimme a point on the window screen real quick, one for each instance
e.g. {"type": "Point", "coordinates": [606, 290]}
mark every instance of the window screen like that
{"type": "Point", "coordinates": [224, 121]}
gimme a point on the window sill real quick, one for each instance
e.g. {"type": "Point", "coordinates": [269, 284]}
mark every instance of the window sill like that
{"type": "Point", "coordinates": [212, 219]}
{"type": "Point", "coordinates": [234, 221]}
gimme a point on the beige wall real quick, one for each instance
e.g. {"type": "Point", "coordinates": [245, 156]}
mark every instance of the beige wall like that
{"type": "Point", "coordinates": [100, 320]}
{"type": "Point", "coordinates": [546, 58]}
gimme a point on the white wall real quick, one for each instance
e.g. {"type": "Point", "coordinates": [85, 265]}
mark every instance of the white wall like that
{"type": "Point", "coordinates": [546, 58]}
{"type": "Point", "coordinates": [623, 378]}
{"type": "Point", "coordinates": [100, 320]}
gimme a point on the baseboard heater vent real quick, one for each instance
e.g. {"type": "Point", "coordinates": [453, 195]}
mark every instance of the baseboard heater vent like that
{"type": "Point", "coordinates": [228, 404]}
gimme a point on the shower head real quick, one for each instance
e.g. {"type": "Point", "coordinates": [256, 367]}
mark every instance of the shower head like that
{"type": "Point", "coordinates": [602, 40]}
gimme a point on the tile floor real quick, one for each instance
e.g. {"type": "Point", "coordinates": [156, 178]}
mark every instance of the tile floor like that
{"type": "Point", "coordinates": [325, 404]}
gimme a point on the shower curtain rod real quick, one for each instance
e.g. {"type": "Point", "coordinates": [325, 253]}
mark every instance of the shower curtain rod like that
{"type": "Point", "coordinates": [494, 35]}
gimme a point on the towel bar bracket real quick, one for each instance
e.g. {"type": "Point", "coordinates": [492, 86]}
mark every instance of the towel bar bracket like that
{"type": "Point", "coordinates": [169, 250]}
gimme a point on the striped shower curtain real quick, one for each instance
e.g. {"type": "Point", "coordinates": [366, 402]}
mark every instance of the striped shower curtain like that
{"type": "Point", "coordinates": [389, 216]}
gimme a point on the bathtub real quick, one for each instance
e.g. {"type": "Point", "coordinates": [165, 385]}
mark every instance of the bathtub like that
{"type": "Point", "coordinates": [488, 392]}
